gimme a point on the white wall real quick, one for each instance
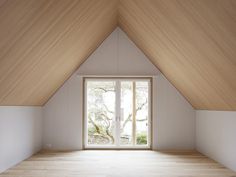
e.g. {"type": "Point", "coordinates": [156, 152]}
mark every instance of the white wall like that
{"type": "Point", "coordinates": [20, 134]}
{"type": "Point", "coordinates": [175, 123]}
{"type": "Point", "coordinates": [62, 127]}
{"type": "Point", "coordinates": [118, 56]}
{"type": "Point", "coordinates": [216, 136]}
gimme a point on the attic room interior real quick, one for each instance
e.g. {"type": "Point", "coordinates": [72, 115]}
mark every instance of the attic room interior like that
{"type": "Point", "coordinates": [114, 88]}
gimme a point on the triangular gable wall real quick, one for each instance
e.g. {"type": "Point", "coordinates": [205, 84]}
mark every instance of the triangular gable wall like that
{"type": "Point", "coordinates": [117, 55]}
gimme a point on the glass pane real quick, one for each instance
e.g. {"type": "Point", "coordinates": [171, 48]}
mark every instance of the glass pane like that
{"type": "Point", "coordinates": [126, 115]}
{"type": "Point", "coordinates": [101, 112]}
{"type": "Point", "coordinates": [141, 112]}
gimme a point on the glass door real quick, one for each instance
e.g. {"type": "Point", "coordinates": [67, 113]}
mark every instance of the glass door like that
{"type": "Point", "coordinates": [100, 113]}
{"type": "Point", "coordinates": [117, 113]}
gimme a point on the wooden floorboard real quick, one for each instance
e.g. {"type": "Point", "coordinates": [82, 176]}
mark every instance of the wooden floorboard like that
{"type": "Point", "coordinates": [118, 164]}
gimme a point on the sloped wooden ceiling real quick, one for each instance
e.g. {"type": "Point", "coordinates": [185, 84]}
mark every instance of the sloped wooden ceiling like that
{"type": "Point", "coordinates": [193, 43]}
{"type": "Point", "coordinates": [42, 42]}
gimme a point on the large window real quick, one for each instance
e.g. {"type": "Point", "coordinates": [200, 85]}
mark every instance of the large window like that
{"type": "Point", "coordinates": [117, 113]}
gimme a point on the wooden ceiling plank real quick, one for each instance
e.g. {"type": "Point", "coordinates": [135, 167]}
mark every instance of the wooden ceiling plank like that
{"type": "Point", "coordinates": [180, 34]}
{"type": "Point", "coordinates": [61, 48]}
{"type": "Point", "coordinates": [192, 42]}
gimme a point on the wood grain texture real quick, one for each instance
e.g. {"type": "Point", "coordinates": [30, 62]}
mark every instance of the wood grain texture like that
{"type": "Point", "coordinates": [192, 42]}
{"type": "Point", "coordinates": [42, 42]}
{"type": "Point", "coordinates": [118, 164]}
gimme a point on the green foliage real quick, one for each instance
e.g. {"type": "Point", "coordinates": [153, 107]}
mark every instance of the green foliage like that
{"type": "Point", "coordinates": [141, 138]}
{"type": "Point", "coordinates": [91, 130]}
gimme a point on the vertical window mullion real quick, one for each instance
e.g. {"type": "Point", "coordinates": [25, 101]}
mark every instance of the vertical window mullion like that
{"type": "Point", "coordinates": [134, 113]}
{"type": "Point", "coordinates": [118, 107]}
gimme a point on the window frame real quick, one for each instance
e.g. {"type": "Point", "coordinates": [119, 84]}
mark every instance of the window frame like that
{"type": "Point", "coordinates": [150, 113]}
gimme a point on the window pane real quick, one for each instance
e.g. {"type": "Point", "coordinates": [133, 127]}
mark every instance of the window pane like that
{"type": "Point", "coordinates": [141, 112]}
{"type": "Point", "coordinates": [126, 115]}
{"type": "Point", "coordinates": [101, 112]}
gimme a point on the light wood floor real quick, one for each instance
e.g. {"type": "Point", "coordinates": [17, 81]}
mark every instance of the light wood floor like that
{"type": "Point", "coordinates": [118, 164]}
